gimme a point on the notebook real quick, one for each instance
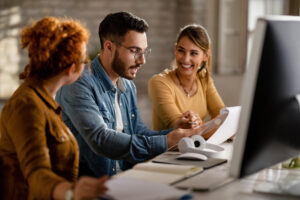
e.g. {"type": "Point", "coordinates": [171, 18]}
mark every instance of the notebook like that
{"type": "Point", "coordinates": [161, 173]}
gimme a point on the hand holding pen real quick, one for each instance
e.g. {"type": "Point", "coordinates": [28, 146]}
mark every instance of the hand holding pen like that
{"type": "Point", "coordinates": [193, 119]}
{"type": "Point", "coordinates": [188, 120]}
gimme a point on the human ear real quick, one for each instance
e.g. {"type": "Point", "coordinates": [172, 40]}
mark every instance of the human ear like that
{"type": "Point", "coordinates": [108, 45]}
{"type": "Point", "coordinates": [175, 46]}
{"type": "Point", "coordinates": [70, 69]}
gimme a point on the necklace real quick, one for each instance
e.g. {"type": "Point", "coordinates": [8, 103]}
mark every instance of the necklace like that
{"type": "Point", "coordinates": [187, 93]}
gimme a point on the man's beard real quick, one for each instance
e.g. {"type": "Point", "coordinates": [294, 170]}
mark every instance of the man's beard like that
{"type": "Point", "coordinates": [119, 67]}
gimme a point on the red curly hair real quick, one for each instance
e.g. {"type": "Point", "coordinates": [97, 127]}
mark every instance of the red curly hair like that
{"type": "Point", "coordinates": [53, 45]}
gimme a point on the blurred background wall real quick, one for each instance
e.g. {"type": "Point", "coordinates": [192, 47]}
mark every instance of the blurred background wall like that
{"type": "Point", "coordinates": [230, 24]}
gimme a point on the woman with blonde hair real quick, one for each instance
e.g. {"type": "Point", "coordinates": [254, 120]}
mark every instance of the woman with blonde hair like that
{"type": "Point", "coordinates": [39, 156]}
{"type": "Point", "coordinates": [187, 91]}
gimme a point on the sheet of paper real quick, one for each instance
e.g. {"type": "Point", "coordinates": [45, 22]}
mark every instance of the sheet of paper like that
{"type": "Point", "coordinates": [212, 124]}
{"type": "Point", "coordinates": [134, 189]}
{"type": "Point", "coordinates": [229, 126]}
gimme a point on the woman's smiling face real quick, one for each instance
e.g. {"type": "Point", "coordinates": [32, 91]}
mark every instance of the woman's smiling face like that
{"type": "Point", "coordinates": [189, 57]}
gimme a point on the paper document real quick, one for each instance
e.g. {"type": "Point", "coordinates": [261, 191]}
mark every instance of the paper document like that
{"type": "Point", "coordinates": [229, 126]}
{"type": "Point", "coordinates": [135, 189]}
{"type": "Point", "coordinates": [213, 124]}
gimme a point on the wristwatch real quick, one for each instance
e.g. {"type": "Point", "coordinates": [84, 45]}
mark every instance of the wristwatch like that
{"type": "Point", "coordinates": [69, 194]}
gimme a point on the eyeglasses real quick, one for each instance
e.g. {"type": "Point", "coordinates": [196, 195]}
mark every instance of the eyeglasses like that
{"type": "Point", "coordinates": [137, 52]}
{"type": "Point", "coordinates": [85, 62]}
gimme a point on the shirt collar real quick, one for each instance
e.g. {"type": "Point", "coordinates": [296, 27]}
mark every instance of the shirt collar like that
{"type": "Point", "coordinates": [120, 85]}
{"type": "Point", "coordinates": [43, 94]}
{"type": "Point", "coordinates": [102, 76]}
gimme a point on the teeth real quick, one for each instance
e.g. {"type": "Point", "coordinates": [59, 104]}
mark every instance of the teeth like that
{"type": "Point", "coordinates": [186, 66]}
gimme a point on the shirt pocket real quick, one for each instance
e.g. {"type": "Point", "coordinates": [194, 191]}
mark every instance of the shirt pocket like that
{"type": "Point", "coordinates": [58, 137]}
{"type": "Point", "coordinates": [60, 145]}
{"type": "Point", "coordinates": [57, 132]}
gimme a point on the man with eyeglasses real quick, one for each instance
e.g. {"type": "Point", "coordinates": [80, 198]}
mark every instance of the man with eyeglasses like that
{"type": "Point", "coordinates": [101, 107]}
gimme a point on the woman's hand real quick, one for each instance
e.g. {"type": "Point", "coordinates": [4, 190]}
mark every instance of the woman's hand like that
{"type": "Point", "coordinates": [188, 120]}
{"type": "Point", "coordinates": [90, 187]}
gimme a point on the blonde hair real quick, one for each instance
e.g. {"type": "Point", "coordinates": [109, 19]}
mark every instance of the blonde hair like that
{"type": "Point", "coordinates": [53, 45]}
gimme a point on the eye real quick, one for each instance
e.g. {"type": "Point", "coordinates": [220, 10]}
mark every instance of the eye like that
{"type": "Point", "coordinates": [86, 61]}
{"type": "Point", "coordinates": [194, 53]}
{"type": "Point", "coordinates": [180, 50]}
{"type": "Point", "coordinates": [134, 50]}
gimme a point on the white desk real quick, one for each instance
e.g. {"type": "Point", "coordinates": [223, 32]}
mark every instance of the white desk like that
{"type": "Point", "coordinates": [242, 189]}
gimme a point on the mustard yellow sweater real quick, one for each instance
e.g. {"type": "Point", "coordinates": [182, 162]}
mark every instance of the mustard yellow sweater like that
{"type": "Point", "coordinates": [169, 102]}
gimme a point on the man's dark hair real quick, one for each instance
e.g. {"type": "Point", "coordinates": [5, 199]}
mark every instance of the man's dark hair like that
{"type": "Point", "coordinates": [115, 25]}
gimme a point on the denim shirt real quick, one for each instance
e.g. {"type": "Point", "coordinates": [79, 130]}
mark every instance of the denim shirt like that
{"type": "Point", "coordinates": [88, 110]}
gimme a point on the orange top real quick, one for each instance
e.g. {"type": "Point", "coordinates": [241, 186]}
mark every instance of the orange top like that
{"type": "Point", "coordinates": [37, 150]}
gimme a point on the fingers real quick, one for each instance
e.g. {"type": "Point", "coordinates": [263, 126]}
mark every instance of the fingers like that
{"type": "Point", "coordinates": [187, 114]}
{"type": "Point", "coordinates": [182, 123]}
{"type": "Point", "coordinates": [90, 188]}
{"type": "Point", "coordinates": [192, 119]}
{"type": "Point", "coordinates": [103, 179]}
{"type": "Point", "coordinates": [102, 185]}
{"type": "Point", "coordinates": [199, 130]}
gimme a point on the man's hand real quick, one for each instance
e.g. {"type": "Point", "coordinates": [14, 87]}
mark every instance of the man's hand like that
{"type": "Point", "coordinates": [177, 134]}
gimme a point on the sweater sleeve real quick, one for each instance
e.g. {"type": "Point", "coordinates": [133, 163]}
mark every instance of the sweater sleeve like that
{"type": "Point", "coordinates": [26, 126]}
{"type": "Point", "coordinates": [162, 98]}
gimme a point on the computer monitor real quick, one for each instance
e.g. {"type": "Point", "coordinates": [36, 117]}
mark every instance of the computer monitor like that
{"type": "Point", "coordinates": [269, 125]}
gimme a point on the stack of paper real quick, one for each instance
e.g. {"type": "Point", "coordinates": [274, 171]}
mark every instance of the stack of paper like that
{"type": "Point", "coordinates": [135, 189]}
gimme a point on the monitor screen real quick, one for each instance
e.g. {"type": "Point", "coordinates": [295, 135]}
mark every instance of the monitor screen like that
{"type": "Point", "coordinates": [269, 125]}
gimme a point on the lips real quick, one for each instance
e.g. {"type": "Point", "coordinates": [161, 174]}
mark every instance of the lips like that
{"type": "Point", "coordinates": [134, 69]}
{"type": "Point", "coordinates": [187, 66]}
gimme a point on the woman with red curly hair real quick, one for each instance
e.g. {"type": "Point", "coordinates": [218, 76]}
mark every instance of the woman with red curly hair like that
{"type": "Point", "coordinates": [38, 154]}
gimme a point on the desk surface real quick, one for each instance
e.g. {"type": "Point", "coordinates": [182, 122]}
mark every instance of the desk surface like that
{"type": "Point", "coordinates": [242, 189]}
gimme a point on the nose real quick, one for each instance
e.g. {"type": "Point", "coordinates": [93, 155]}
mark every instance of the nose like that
{"type": "Point", "coordinates": [141, 59]}
{"type": "Point", "coordinates": [186, 58]}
